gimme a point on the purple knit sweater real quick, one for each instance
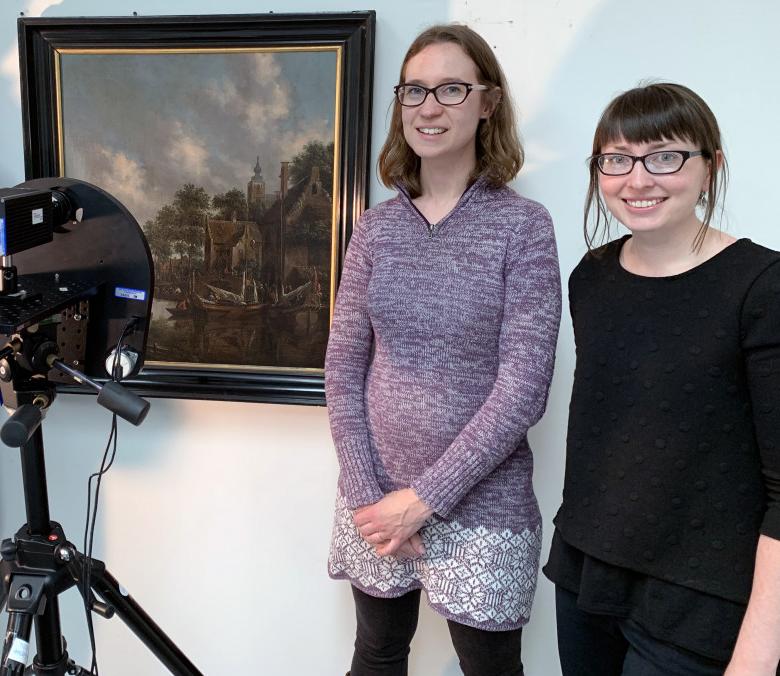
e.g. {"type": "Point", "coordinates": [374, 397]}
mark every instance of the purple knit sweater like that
{"type": "Point", "coordinates": [440, 358]}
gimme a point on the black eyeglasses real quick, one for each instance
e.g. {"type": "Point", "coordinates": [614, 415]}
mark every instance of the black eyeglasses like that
{"type": "Point", "coordinates": [447, 94]}
{"type": "Point", "coordinates": [659, 162]}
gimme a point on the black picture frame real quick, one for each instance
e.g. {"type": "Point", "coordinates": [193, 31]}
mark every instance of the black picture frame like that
{"type": "Point", "coordinates": [41, 40]}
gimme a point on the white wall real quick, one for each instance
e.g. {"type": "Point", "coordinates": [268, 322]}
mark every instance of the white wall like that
{"type": "Point", "coordinates": [216, 515]}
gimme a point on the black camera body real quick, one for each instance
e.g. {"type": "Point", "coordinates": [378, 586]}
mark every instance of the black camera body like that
{"type": "Point", "coordinates": [26, 219]}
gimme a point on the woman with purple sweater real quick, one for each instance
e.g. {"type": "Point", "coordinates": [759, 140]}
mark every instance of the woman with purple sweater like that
{"type": "Point", "coordinates": [440, 358]}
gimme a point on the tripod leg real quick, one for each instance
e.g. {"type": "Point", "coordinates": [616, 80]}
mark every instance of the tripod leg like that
{"type": "Point", "coordinates": [141, 624]}
{"type": "Point", "coordinates": [16, 647]}
{"type": "Point", "coordinates": [31, 598]}
{"type": "Point", "coordinates": [48, 634]}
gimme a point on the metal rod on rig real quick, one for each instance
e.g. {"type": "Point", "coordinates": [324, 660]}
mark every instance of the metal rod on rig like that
{"type": "Point", "coordinates": [112, 395]}
{"type": "Point", "coordinates": [78, 376]}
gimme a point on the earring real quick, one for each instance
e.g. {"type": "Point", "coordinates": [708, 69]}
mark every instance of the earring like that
{"type": "Point", "coordinates": [702, 201]}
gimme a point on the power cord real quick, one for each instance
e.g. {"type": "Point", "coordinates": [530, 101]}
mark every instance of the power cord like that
{"type": "Point", "coordinates": [109, 454]}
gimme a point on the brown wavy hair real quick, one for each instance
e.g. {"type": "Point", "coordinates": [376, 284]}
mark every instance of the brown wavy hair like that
{"type": "Point", "coordinates": [656, 112]}
{"type": "Point", "coordinates": [499, 151]}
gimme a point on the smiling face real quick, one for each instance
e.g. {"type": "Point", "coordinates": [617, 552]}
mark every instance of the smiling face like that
{"type": "Point", "coordinates": [440, 133]}
{"type": "Point", "coordinates": [646, 202]}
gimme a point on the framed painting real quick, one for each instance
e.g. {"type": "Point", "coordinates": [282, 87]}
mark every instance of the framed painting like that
{"type": "Point", "coordinates": [240, 144]}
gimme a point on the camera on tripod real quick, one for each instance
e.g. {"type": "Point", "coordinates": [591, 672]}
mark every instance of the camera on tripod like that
{"type": "Point", "coordinates": [86, 283]}
{"type": "Point", "coordinates": [76, 316]}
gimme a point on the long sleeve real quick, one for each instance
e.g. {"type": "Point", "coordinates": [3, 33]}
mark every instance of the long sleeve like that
{"type": "Point", "coordinates": [761, 344]}
{"type": "Point", "coordinates": [346, 364]}
{"type": "Point", "coordinates": [528, 336]}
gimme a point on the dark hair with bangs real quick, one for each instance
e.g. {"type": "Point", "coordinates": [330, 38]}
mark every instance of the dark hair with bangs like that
{"type": "Point", "coordinates": [499, 152]}
{"type": "Point", "coordinates": [657, 112]}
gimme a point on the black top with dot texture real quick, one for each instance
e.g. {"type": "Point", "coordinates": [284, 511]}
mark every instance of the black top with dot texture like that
{"type": "Point", "coordinates": [673, 452]}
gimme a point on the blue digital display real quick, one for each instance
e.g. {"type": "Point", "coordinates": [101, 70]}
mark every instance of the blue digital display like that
{"type": "Point", "coordinates": [129, 294]}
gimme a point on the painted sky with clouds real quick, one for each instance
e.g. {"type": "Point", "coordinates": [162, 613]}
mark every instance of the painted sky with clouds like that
{"type": "Point", "coordinates": [141, 125]}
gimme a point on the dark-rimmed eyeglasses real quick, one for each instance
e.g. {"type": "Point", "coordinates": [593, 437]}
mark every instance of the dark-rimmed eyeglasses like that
{"type": "Point", "coordinates": [447, 94]}
{"type": "Point", "coordinates": [659, 162]}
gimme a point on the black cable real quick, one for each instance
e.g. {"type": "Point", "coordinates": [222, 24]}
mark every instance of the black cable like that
{"type": "Point", "coordinates": [92, 509]}
{"type": "Point", "coordinates": [89, 535]}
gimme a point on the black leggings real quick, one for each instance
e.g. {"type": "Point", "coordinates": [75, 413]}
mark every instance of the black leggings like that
{"type": "Point", "coordinates": [385, 628]}
{"type": "Point", "coordinates": [602, 645]}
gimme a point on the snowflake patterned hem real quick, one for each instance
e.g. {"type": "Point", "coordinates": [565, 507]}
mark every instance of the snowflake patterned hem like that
{"type": "Point", "coordinates": [478, 576]}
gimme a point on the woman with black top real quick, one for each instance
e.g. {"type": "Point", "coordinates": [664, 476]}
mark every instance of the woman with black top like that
{"type": "Point", "coordinates": [666, 556]}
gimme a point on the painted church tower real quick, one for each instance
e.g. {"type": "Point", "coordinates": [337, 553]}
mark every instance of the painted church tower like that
{"type": "Point", "coordinates": [255, 189]}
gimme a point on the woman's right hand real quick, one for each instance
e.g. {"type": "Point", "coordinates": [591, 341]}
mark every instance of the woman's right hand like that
{"type": "Point", "coordinates": [409, 549]}
{"type": "Point", "coordinates": [412, 548]}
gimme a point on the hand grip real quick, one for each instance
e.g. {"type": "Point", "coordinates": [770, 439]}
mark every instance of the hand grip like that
{"type": "Point", "coordinates": [18, 429]}
{"type": "Point", "coordinates": [123, 402]}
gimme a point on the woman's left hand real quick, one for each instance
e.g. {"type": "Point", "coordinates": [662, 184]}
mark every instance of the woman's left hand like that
{"type": "Point", "coordinates": [392, 520]}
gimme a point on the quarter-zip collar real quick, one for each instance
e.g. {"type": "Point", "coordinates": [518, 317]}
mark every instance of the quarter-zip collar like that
{"type": "Point", "coordinates": [476, 187]}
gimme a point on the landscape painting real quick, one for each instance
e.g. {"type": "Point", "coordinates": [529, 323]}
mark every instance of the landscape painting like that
{"type": "Point", "coordinates": [240, 144]}
{"type": "Point", "coordinates": [226, 160]}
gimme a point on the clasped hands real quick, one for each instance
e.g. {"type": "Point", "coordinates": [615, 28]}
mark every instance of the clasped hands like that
{"type": "Point", "coordinates": [392, 525]}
